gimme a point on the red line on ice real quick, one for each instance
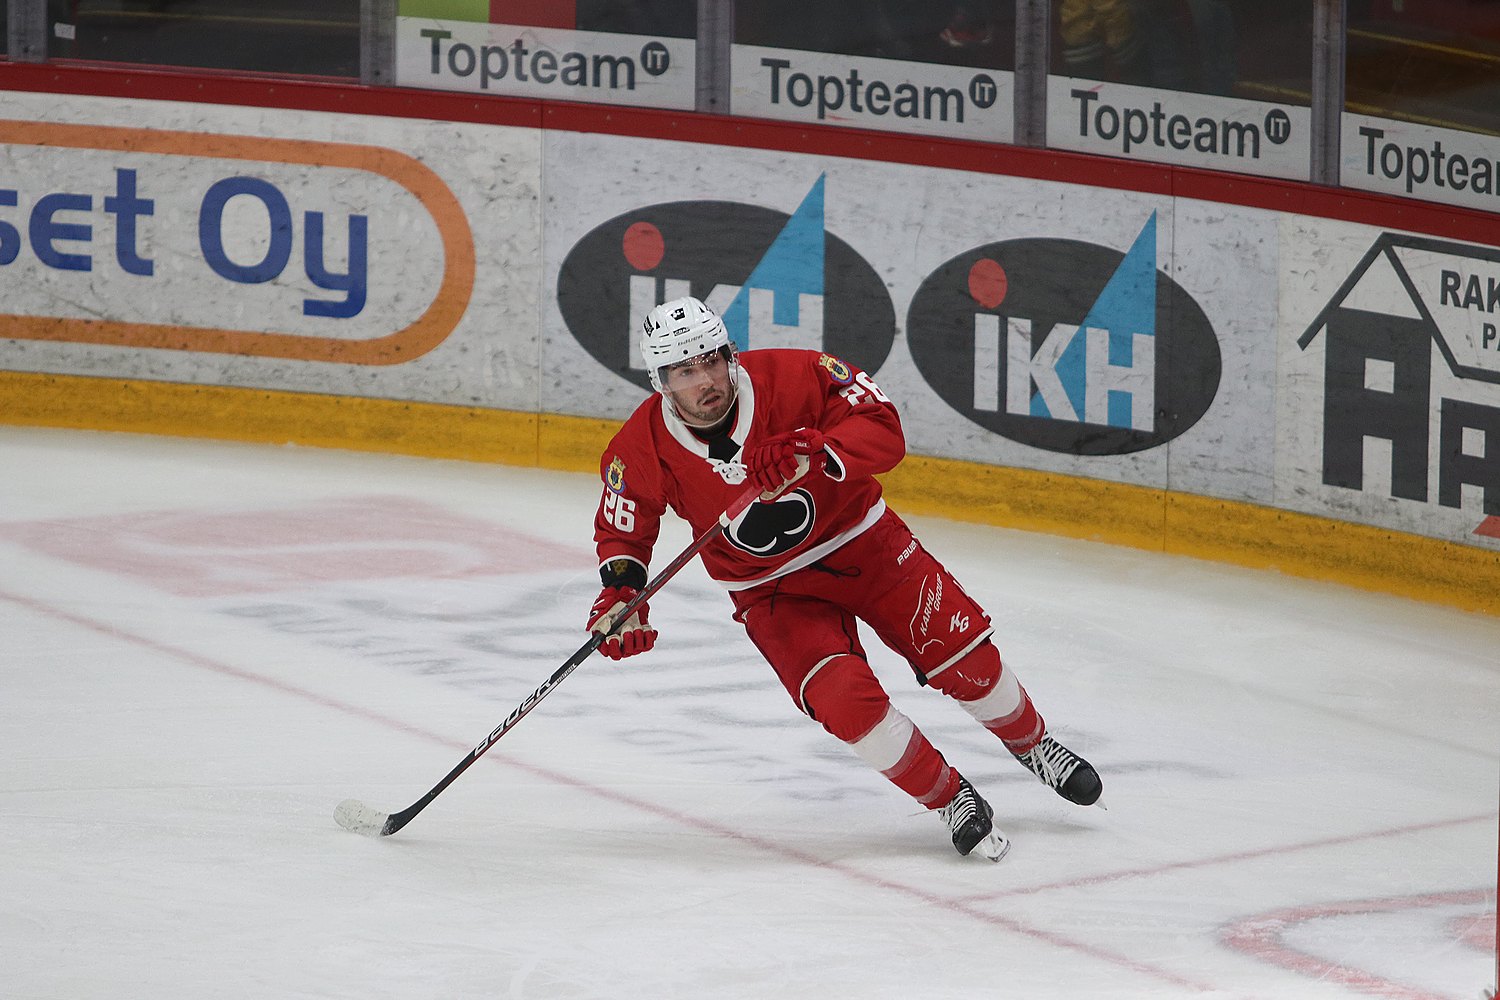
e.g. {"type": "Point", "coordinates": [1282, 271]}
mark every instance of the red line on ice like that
{"type": "Point", "coordinates": [696, 822]}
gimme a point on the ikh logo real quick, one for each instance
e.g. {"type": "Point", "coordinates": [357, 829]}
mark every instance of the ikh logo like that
{"type": "Point", "coordinates": [778, 280]}
{"type": "Point", "coordinates": [1412, 364]}
{"type": "Point", "coordinates": [1065, 345]}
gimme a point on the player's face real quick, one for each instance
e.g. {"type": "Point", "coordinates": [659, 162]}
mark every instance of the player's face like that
{"type": "Point", "coordinates": [700, 388]}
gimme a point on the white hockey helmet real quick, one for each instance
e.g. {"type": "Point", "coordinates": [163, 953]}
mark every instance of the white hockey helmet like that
{"type": "Point", "coordinates": [679, 331]}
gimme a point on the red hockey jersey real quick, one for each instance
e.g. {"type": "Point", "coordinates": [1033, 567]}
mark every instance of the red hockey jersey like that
{"type": "Point", "coordinates": [655, 462]}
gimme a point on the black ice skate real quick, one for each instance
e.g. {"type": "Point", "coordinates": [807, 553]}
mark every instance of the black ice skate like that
{"type": "Point", "coordinates": [971, 820]}
{"type": "Point", "coordinates": [1063, 771]}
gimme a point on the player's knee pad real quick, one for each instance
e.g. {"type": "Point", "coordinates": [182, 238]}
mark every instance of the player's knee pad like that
{"type": "Point", "coordinates": [982, 684]}
{"type": "Point", "coordinates": [844, 696]}
{"type": "Point", "coordinates": [971, 677]}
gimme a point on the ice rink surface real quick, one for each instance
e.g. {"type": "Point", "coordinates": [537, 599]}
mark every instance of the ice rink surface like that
{"type": "Point", "coordinates": [209, 645]}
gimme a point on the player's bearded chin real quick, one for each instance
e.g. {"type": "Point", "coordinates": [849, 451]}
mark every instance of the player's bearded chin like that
{"type": "Point", "coordinates": [704, 402]}
{"type": "Point", "coordinates": [704, 405]}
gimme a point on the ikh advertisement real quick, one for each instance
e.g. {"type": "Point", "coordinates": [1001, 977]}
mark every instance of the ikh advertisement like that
{"type": "Point", "coordinates": [1041, 344]}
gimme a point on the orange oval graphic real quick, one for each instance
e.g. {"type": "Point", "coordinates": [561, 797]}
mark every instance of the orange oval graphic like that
{"type": "Point", "coordinates": [431, 328]}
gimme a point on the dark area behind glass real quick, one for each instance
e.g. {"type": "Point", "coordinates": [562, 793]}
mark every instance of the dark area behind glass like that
{"type": "Point", "coordinates": [1436, 62]}
{"type": "Point", "coordinates": [665, 18]}
{"type": "Point", "coordinates": [311, 37]}
{"type": "Point", "coordinates": [1256, 49]}
{"type": "Point", "coordinates": [978, 33]}
{"type": "Point", "coordinates": [1429, 61]}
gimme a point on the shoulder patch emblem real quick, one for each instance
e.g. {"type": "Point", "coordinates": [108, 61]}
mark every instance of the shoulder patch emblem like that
{"type": "Point", "coordinates": [837, 370]}
{"type": "Point", "coordinates": [614, 477]}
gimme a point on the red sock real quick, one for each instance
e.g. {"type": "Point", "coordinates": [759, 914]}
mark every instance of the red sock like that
{"type": "Point", "coordinates": [850, 703]}
{"type": "Point", "coordinates": [991, 693]}
{"type": "Point", "coordinates": [897, 749]}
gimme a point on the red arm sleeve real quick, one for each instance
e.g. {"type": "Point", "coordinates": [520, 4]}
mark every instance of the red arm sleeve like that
{"type": "Point", "coordinates": [631, 506]}
{"type": "Point", "coordinates": [861, 428]}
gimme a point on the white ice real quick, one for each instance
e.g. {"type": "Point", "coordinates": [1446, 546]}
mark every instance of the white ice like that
{"type": "Point", "coordinates": [207, 646]}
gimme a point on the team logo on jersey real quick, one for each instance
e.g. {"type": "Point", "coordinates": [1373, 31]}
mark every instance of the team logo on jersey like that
{"type": "Point", "coordinates": [732, 473]}
{"type": "Point", "coordinates": [614, 477]}
{"type": "Point", "coordinates": [770, 529]}
{"type": "Point", "coordinates": [837, 370]}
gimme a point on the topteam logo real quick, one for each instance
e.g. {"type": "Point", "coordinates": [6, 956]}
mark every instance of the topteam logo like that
{"type": "Point", "coordinates": [777, 280]}
{"type": "Point", "coordinates": [1066, 346]}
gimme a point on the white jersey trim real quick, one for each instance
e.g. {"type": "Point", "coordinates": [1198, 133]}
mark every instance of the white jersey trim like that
{"type": "Point", "coordinates": [812, 555]}
{"type": "Point", "coordinates": [834, 467]}
{"type": "Point", "coordinates": [683, 435]}
{"type": "Point", "coordinates": [802, 691]}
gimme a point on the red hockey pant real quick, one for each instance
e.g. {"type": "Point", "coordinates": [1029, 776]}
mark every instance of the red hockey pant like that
{"type": "Point", "coordinates": [805, 625]}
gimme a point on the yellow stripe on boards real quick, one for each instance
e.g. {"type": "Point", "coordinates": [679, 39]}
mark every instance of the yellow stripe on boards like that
{"type": "Point", "coordinates": [1303, 545]}
{"type": "Point", "coordinates": [269, 416]}
{"type": "Point", "coordinates": [1320, 548]}
{"type": "Point", "coordinates": [1030, 500]}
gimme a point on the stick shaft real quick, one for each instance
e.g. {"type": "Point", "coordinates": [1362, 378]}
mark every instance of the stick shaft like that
{"type": "Point", "coordinates": [397, 820]}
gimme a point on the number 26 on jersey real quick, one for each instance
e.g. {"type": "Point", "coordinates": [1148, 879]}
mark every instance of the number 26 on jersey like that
{"type": "Point", "coordinates": [619, 511]}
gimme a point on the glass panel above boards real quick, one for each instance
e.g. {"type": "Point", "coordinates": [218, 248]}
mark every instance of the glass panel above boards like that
{"type": "Point", "coordinates": [302, 37]}
{"type": "Point", "coordinates": [1434, 62]}
{"type": "Point", "coordinates": [1223, 84]}
{"type": "Point", "coordinates": [1422, 100]}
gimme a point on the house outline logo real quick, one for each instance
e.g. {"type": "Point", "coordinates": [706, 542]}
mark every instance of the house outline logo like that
{"type": "Point", "coordinates": [1379, 331]}
{"type": "Point", "coordinates": [1385, 251]}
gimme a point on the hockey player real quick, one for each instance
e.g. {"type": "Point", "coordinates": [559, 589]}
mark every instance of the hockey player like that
{"type": "Point", "coordinates": [803, 567]}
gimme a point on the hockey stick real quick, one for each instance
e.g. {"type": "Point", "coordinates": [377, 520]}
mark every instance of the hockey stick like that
{"type": "Point", "coordinates": [351, 814]}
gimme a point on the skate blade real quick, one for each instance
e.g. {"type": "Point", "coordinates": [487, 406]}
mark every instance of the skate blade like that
{"type": "Point", "coordinates": [993, 847]}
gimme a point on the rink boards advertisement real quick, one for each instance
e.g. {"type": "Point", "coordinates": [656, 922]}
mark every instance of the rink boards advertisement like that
{"type": "Point", "coordinates": [1389, 407]}
{"type": "Point", "coordinates": [547, 63]}
{"type": "Point", "coordinates": [915, 98]}
{"type": "Point", "coordinates": [1139, 370]}
{"type": "Point", "coordinates": [241, 247]}
{"type": "Point", "coordinates": [1179, 127]}
{"type": "Point", "coordinates": [1421, 161]}
{"type": "Point", "coordinates": [1113, 336]}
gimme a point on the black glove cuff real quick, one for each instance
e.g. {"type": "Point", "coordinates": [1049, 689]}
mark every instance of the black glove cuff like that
{"type": "Point", "coordinates": [623, 573]}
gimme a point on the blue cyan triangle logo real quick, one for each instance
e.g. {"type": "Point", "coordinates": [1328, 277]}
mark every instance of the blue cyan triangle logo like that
{"type": "Point", "coordinates": [1126, 307]}
{"type": "Point", "coordinates": [790, 268]}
